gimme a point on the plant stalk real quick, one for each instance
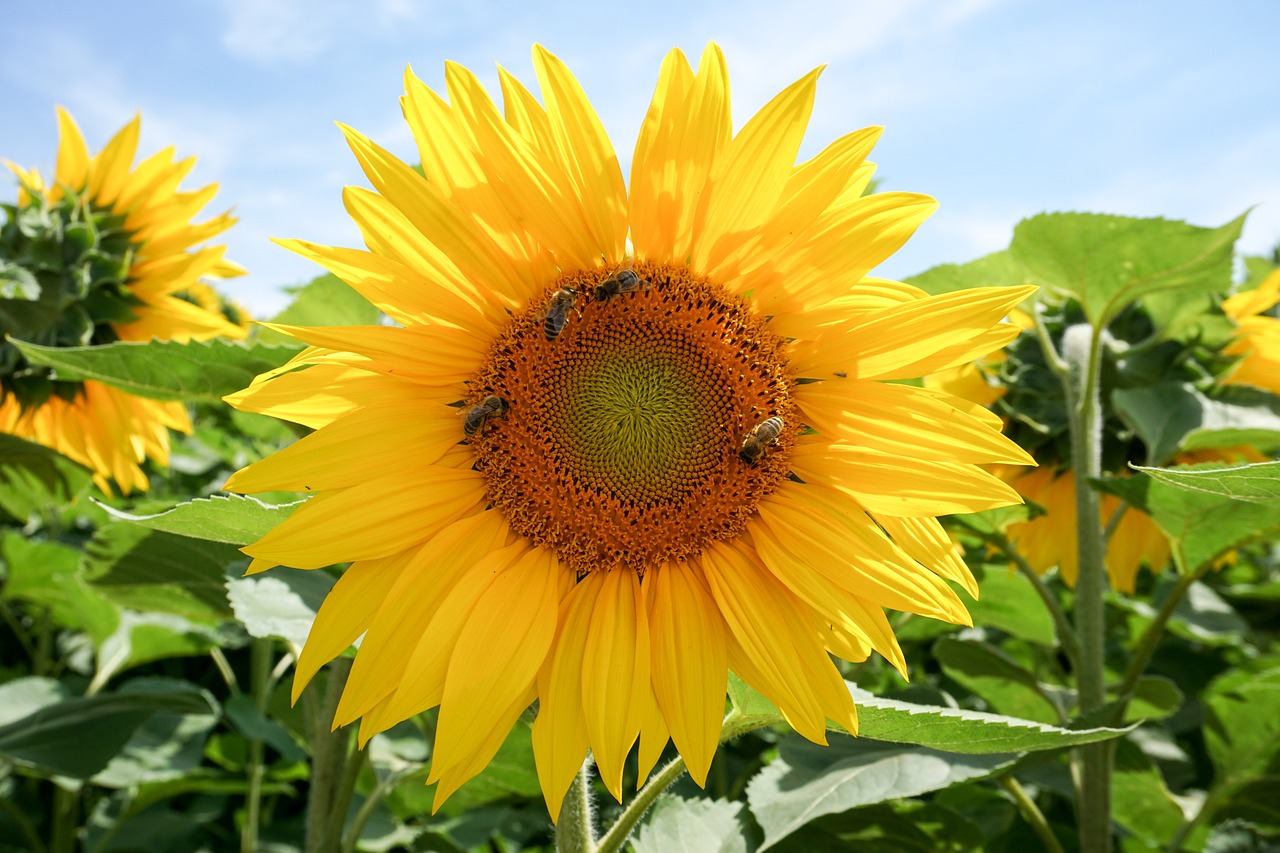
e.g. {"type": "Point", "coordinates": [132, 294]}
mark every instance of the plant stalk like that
{"type": "Point", "coordinates": [1066, 634]}
{"type": "Point", "coordinates": [1031, 813]}
{"type": "Point", "coordinates": [1082, 348]}
{"type": "Point", "coordinates": [328, 762]}
{"type": "Point", "coordinates": [1155, 632]}
{"type": "Point", "coordinates": [574, 832]}
{"type": "Point", "coordinates": [259, 670]}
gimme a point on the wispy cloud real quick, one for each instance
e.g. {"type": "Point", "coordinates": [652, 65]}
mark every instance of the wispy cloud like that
{"type": "Point", "coordinates": [300, 30]}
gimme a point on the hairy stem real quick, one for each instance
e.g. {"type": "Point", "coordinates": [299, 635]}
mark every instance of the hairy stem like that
{"type": "Point", "coordinates": [259, 668]}
{"type": "Point", "coordinates": [328, 762]}
{"type": "Point", "coordinates": [1082, 347]}
{"type": "Point", "coordinates": [574, 831]}
{"type": "Point", "coordinates": [1153, 634]}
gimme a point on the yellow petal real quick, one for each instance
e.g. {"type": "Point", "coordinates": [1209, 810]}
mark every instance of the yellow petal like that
{"type": "Point", "coordinates": [432, 355]}
{"type": "Point", "coordinates": [748, 178]}
{"type": "Point", "coordinates": [588, 155]}
{"type": "Point", "coordinates": [903, 421]}
{"type": "Point", "coordinates": [337, 527]}
{"type": "Point", "coordinates": [320, 394]}
{"type": "Point", "coordinates": [346, 613]}
{"type": "Point", "coordinates": [559, 733]}
{"type": "Point", "coordinates": [689, 664]}
{"type": "Point", "coordinates": [654, 165]}
{"type": "Point", "coordinates": [369, 443]}
{"type": "Point", "coordinates": [110, 168]}
{"type": "Point", "coordinates": [773, 645]}
{"type": "Point", "coordinates": [497, 656]}
{"type": "Point", "coordinates": [72, 169]}
{"type": "Point", "coordinates": [409, 606]}
{"type": "Point", "coordinates": [615, 673]}
{"type": "Point", "coordinates": [892, 484]}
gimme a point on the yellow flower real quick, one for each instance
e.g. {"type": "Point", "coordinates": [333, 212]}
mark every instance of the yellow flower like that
{"type": "Point", "coordinates": [604, 542]}
{"type": "Point", "coordinates": [1257, 337]}
{"type": "Point", "coordinates": [99, 426]}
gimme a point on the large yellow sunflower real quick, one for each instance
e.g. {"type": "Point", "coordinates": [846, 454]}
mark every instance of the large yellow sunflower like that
{"type": "Point", "coordinates": [140, 215]}
{"type": "Point", "coordinates": [1257, 337]}
{"type": "Point", "coordinates": [692, 467]}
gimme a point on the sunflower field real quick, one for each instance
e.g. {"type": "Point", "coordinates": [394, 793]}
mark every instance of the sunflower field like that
{"type": "Point", "coordinates": [590, 512]}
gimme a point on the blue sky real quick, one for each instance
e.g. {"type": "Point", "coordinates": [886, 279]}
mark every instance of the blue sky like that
{"type": "Point", "coordinates": [998, 108]}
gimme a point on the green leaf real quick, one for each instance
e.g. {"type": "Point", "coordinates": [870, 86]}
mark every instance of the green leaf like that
{"type": "Point", "coordinates": [1206, 510]}
{"type": "Point", "coordinates": [280, 603]}
{"type": "Point", "coordinates": [167, 746]}
{"type": "Point", "coordinates": [22, 697]}
{"type": "Point", "coordinates": [1242, 725]}
{"type": "Point", "coordinates": [1140, 801]}
{"type": "Point", "coordinates": [1009, 603]}
{"type": "Point", "coordinates": [78, 737]}
{"type": "Point", "coordinates": [1173, 416]}
{"type": "Point", "coordinates": [163, 370]}
{"type": "Point", "coordinates": [1154, 698]}
{"type": "Point", "coordinates": [675, 824]}
{"type": "Point", "coordinates": [995, 677]}
{"type": "Point", "coordinates": [254, 725]}
{"type": "Point", "coordinates": [324, 301]}
{"type": "Point", "coordinates": [34, 477]}
{"type": "Point", "coordinates": [968, 732]}
{"type": "Point", "coordinates": [160, 572]}
{"type": "Point", "coordinates": [808, 781]}
{"type": "Point", "coordinates": [1108, 262]}
{"type": "Point", "coordinates": [233, 519]}
{"type": "Point", "coordinates": [947, 729]}
{"type": "Point", "coordinates": [47, 574]}
{"type": "Point", "coordinates": [998, 269]}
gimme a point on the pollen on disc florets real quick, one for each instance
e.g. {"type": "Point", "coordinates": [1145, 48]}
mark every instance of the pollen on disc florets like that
{"type": "Point", "coordinates": [621, 443]}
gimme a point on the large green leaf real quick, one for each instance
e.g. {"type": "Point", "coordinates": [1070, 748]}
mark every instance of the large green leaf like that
{"type": "Point", "coordinates": [946, 729]}
{"type": "Point", "coordinates": [1242, 726]}
{"type": "Point", "coordinates": [22, 697]}
{"type": "Point", "coordinates": [160, 572]}
{"type": "Point", "coordinates": [807, 781]}
{"type": "Point", "coordinates": [1172, 416]}
{"type": "Point", "coordinates": [998, 269]}
{"type": "Point", "coordinates": [1009, 603]}
{"type": "Point", "coordinates": [1001, 681]}
{"type": "Point", "coordinates": [1140, 801]}
{"type": "Point", "coordinates": [233, 519]}
{"type": "Point", "coordinates": [78, 737]}
{"type": "Point", "coordinates": [48, 575]}
{"type": "Point", "coordinates": [163, 370]}
{"type": "Point", "coordinates": [280, 603]}
{"type": "Point", "coordinates": [324, 301]}
{"type": "Point", "coordinates": [167, 746]}
{"type": "Point", "coordinates": [685, 826]}
{"type": "Point", "coordinates": [1206, 510]}
{"type": "Point", "coordinates": [1108, 262]}
{"type": "Point", "coordinates": [33, 477]}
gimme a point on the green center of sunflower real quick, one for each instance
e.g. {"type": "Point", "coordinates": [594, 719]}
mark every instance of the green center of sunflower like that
{"type": "Point", "coordinates": [64, 269]}
{"type": "Point", "coordinates": [627, 413]}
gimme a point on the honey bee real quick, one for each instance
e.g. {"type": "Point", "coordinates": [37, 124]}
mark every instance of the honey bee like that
{"type": "Point", "coordinates": [623, 281]}
{"type": "Point", "coordinates": [492, 406]}
{"type": "Point", "coordinates": [761, 436]}
{"type": "Point", "coordinates": [558, 312]}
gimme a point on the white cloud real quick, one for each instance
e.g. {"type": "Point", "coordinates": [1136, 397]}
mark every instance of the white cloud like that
{"type": "Point", "coordinates": [300, 30]}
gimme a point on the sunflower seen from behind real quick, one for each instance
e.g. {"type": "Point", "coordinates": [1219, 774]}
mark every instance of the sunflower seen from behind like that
{"type": "Point", "coordinates": [697, 463]}
{"type": "Point", "coordinates": [105, 252]}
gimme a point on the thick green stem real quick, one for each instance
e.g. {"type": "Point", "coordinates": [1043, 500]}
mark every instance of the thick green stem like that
{"type": "Point", "coordinates": [1082, 348]}
{"type": "Point", "coordinates": [574, 831]}
{"type": "Point", "coordinates": [259, 672]}
{"type": "Point", "coordinates": [328, 761]}
{"type": "Point", "coordinates": [66, 820]}
{"type": "Point", "coordinates": [1031, 813]}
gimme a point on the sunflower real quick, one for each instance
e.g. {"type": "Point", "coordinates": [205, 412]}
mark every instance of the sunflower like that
{"type": "Point", "coordinates": [124, 259]}
{"type": "Point", "coordinates": [677, 462]}
{"type": "Point", "coordinates": [1257, 336]}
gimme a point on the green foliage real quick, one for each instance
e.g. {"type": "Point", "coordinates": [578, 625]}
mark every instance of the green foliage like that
{"type": "Point", "coordinates": [34, 478]}
{"type": "Point", "coordinates": [163, 370]}
{"type": "Point", "coordinates": [1107, 262]}
{"type": "Point", "coordinates": [323, 301]}
{"type": "Point", "coordinates": [1206, 511]}
{"type": "Point", "coordinates": [230, 519]}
